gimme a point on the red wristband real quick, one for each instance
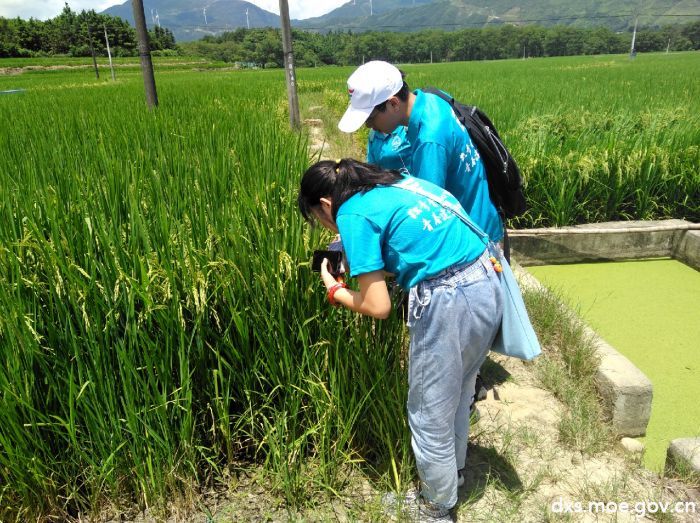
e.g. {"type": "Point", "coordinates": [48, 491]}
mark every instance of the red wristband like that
{"type": "Point", "coordinates": [332, 291]}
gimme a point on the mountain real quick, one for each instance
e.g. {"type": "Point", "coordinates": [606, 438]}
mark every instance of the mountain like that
{"type": "Point", "coordinates": [412, 15]}
{"type": "Point", "coordinates": [186, 18]}
{"type": "Point", "coordinates": [363, 8]}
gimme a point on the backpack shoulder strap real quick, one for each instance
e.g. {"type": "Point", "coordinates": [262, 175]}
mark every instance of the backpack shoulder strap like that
{"type": "Point", "coordinates": [442, 94]}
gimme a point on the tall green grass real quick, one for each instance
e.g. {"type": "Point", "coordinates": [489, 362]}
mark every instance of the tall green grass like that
{"type": "Point", "coordinates": [158, 317]}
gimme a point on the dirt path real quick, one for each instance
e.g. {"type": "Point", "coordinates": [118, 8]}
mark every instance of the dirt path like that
{"type": "Point", "coordinates": [318, 148]}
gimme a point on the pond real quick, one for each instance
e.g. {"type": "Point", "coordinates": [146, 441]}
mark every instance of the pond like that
{"type": "Point", "coordinates": [649, 310]}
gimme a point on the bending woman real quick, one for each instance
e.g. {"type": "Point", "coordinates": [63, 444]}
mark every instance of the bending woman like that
{"type": "Point", "coordinates": [455, 301]}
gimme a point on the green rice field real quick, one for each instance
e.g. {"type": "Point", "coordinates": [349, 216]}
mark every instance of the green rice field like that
{"type": "Point", "coordinates": [159, 323]}
{"type": "Point", "coordinates": [598, 138]}
{"type": "Point", "coordinates": [650, 312]}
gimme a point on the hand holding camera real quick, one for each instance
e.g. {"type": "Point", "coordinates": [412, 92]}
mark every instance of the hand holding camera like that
{"type": "Point", "coordinates": [334, 258]}
{"type": "Point", "coordinates": [330, 264]}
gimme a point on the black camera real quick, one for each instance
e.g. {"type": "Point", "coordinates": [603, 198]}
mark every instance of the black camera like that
{"type": "Point", "coordinates": [334, 258]}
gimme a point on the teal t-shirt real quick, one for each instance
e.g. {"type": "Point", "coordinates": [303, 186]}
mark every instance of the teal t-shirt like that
{"type": "Point", "coordinates": [389, 151]}
{"type": "Point", "coordinates": [443, 153]}
{"type": "Point", "coordinates": [398, 231]}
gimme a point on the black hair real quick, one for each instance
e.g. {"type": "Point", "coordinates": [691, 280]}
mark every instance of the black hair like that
{"type": "Point", "coordinates": [402, 94]}
{"type": "Point", "coordinates": [340, 180]}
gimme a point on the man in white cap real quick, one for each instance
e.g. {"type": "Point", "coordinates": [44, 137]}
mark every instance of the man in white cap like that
{"type": "Point", "coordinates": [441, 151]}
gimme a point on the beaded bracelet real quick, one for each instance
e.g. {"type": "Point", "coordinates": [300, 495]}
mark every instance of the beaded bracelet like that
{"type": "Point", "coordinates": [332, 291]}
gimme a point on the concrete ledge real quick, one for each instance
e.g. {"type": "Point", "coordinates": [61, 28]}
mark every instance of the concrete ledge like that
{"type": "Point", "coordinates": [688, 249]}
{"type": "Point", "coordinates": [625, 390]}
{"type": "Point", "coordinates": [599, 242]}
{"type": "Point", "coordinates": [684, 455]}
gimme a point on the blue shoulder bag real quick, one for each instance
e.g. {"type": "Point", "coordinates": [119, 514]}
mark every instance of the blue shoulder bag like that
{"type": "Point", "coordinates": [516, 337]}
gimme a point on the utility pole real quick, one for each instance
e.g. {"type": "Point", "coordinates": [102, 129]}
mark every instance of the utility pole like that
{"type": "Point", "coordinates": [92, 52]}
{"type": "Point", "coordinates": [633, 53]}
{"type": "Point", "coordinates": [371, 8]}
{"type": "Point", "coordinates": [109, 53]}
{"type": "Point", "coordinates": [149, 80]}
{"type": "Point", "coordinates": [247, 20]}
{"type": "Point", "coordinates": [294, 119]}
{"type": "Point", "coordinates": [204, 12]}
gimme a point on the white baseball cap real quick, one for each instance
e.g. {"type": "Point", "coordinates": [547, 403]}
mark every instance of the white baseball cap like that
{"type": "Point", "coordinates": [371, 84]}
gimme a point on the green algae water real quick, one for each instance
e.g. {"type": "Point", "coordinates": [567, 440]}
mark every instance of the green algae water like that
{"type": "Point", "coordinates": [649, 311]}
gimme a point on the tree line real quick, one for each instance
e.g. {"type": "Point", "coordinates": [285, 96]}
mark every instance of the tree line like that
{"type": "Point", "coordinates": [72, 34]}
{"type": "Point", "coordinates": [262, 47]}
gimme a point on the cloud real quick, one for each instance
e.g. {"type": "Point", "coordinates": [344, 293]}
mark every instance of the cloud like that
{"type": "Point", "coordinates": [301, 8]}
{"type": "Point", "coordinates": [45, 9]}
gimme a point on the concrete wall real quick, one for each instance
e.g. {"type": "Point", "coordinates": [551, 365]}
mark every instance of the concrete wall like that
{"type": "Point", "coordinates": [604, 241]}
{"type": "Point", "coordinates": [625, 390]}
{"type": "Point", "coordinates": [687, 249]}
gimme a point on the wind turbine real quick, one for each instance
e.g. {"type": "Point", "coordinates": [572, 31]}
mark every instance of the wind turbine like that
{"type": "Point", "coordinates": [204, 11]}
{"type": "Point", "coordinates": [371, 10]}
{"type": "Point", "coordinates": [247, 20]}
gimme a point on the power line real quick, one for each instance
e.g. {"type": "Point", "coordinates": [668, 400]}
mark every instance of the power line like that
{"type": "Point", "coordinates": [232, 27]}
{"type": "Point", "coordinates": [519, 21]}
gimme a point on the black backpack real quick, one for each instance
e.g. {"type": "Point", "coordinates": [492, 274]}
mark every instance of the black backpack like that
{"type": "Point", "coordinates": [502, 173]}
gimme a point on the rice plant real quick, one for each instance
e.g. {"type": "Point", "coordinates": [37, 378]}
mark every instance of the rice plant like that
{"type": "Point", "coordinates": [158, 317]}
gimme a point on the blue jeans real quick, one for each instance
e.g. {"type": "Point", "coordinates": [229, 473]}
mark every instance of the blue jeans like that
{"type": "Point", "coordinates": [453, 319]}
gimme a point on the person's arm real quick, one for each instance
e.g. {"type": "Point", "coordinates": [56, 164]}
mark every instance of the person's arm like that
{"type": "Point", "coordinates": [429, 162]}
{"type": "Point", "coordinates": [372, 300]}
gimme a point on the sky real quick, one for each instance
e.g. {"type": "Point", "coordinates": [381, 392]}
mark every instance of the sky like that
{"type": "Point", "coordinates": [44, 9]}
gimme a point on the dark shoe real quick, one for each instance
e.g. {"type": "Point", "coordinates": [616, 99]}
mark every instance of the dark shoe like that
{"type": "Point", "coordinates": [479, 389]}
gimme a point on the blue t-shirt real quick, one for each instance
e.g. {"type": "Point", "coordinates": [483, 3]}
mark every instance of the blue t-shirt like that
{"type": "Point", "coordinates": [389, 151]}
{"type": "Point", "coordinates": [443, 153]}
{"type": "Point", "coordinates": [395, 230]}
